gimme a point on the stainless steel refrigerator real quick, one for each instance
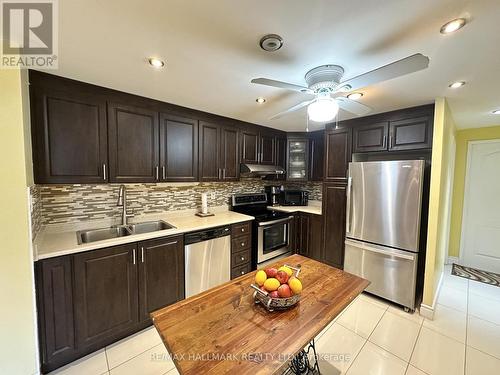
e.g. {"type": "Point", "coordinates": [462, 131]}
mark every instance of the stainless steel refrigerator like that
{"type": "Point", "coordinates": [384, 203]}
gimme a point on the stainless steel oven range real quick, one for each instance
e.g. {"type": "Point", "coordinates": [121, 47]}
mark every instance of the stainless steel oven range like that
{"type": "Point", "coordinates": [271, 229]}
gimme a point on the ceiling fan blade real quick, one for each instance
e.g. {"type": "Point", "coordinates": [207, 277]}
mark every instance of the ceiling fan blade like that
{"type": "Point", "coordinates": [398, 68]}
{"type": "Point", "coordinates": [281, 85]}
{"type": "Point", "coordinates": [292, 109]}
{"type": "Point", "coordinates": [352, 106]}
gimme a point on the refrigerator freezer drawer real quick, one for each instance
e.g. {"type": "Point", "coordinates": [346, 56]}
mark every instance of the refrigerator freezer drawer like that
{"type": "Point", "coordinates": [392, 273]}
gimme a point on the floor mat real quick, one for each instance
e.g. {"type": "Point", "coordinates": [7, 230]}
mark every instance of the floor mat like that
{"type": "Point", "coordinates": [476, 275]}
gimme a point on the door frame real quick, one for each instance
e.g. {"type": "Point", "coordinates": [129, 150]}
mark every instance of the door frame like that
{"type": "Point", "coordinates": [466, 204]}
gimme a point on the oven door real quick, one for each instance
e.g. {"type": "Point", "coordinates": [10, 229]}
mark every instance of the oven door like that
{"type": "Point", "coordinates": [273, 238]}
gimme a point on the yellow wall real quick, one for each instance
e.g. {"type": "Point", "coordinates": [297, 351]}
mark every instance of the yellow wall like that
{"type": "Point", "coordinates": [18, 350]}
{"type": "Point", "coordinates": [463, 137]}
{"type": "Point", "coordinates": [441, 186]}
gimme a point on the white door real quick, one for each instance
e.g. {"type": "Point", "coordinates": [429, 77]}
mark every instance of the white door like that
{"type": "Point", "coordinates": [481, 217]}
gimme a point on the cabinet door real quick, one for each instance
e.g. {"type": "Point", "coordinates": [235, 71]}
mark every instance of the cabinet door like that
{"type": "Point", "coordinates": [315, 234]}
{"type": "Point", "coordinates": [337, 153]}
{"type": "Point", "coordinates": [316, 157]}
{"type": "Point", "coordinates": [410, 134]}
{"type": "Point", "coordinates": [303, 230]}
{"type": "Point", "coordinates": [281, 152]}
{"type": "Point", "coordinates": [69, 137]}
{"type": "Point", "coordinates": [334, 206]}
{"type": "Point", "coordinates": [209, 152]}
{"type": "Point", "coordinates": [178, 148]}
{"type": "Point", "coordinates": [267, 149]}
{"type": "Point", "coordinates": [55, 311]}
{"type": "Point", "coordinates": [298, 154]}
{"type": "Point", "coordinates": [106, 305]}
{"type": "Point", "coordinates": [372, 137]}
{"type": "Point", "coordinates": [161, 274]}
{"type": "Point", "coordinates": [249, 147]}
{"type": "Point", "coordinates": [133, 144]}
{"type": "Point", "coordinates": [229, 154]}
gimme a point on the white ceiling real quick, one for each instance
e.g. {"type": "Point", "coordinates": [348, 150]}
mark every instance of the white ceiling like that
{"type": "Point", "coordinates": [211, 52]}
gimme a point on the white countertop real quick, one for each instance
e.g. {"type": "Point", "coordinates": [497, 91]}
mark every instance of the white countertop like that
{"type": "Point", "coordinates": [60, 240]}
{"type": "Point", "coordinates": [314, 207]}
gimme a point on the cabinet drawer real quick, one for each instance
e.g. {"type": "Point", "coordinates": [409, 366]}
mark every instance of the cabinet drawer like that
{"type": "Point", "coordinates": [241, 257]}
{"type": "Point", "coordinates": [240, 243]}
{"type": "Point", "coordinates": [240, 270]}
{"type": "Point", "coordinates": [240, 229]}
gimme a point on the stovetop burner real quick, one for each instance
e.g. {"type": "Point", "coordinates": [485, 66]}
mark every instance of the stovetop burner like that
{"type": "Point", "coordinates": [255, 204]}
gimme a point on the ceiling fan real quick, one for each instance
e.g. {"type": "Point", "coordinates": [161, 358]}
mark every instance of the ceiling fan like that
{"type": "Point", "coordinates": [325, 82]}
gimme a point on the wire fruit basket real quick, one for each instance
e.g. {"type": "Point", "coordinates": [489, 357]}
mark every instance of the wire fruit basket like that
{"type": "Point", "coordinates": [271, 304]}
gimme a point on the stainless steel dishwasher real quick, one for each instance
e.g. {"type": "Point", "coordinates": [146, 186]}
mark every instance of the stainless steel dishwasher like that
{"type": "Point", "coordinates": [207, 259]}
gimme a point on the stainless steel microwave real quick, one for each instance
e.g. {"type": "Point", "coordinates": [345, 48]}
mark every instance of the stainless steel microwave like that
{"type": "Point", "coordinates": [295, 198]}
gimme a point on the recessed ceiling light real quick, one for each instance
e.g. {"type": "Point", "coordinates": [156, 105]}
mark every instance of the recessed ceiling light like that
{"type": "Point", "coordinates": [456, 85]}
{"type": "Point", "coordinates": [453, 25]}
{"type": "Point", "coordinates": [271, 42]}
{"type": "Point", "coordinates": [260, 100]}
{"type": "Point", "coordinates": [355, 95]}
{"type": "Point", "coordinates": [496, 112]}
{"type": "Point", "coordinates": [156, 63]}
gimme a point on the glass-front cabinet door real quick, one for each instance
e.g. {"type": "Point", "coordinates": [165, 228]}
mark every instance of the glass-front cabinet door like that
{"type": "Point", "coordinates": [297, 159]}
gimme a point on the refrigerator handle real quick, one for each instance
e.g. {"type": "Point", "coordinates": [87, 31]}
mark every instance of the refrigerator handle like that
{"type": "Point", "coordinates": [348, 207]}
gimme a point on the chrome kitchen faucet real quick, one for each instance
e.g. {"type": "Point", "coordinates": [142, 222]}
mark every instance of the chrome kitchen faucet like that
{"type": "Point", "coordinates": [122, 201]}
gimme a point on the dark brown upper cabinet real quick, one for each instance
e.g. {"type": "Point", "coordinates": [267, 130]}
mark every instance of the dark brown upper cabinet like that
{"type": "Point", "coordinates": [229, 154]}
{"type": "Point", "coordinates": [219, 153]}
{"type": "Point", "coordinates": [161, 274]}
{"type": "Point", "coordinates": [370, 137]}
{"type": "Point", "coordinates": [133, 144]}
{"type": "Point", "coordinates": [267, 149]}
{"type": "Point", "coordinates": [250, 152]}
{"type": "Point", "coordinates": [105, 293]}
{"type": "Point", "coordinates": [337, 153]}
{"type": "Point", "coordinates": [281, 152]}
{"type": "Point", "coordinates": [316, 156]}
{"type": "Point", "coordinates": [410, 134]}
{"type": "Point", "coordinates": [69, 136]}
{"type": "Point", "coordinates": [178, 148]}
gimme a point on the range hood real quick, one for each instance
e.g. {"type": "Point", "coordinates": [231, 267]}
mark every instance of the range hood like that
{"type": "Point", "coordinates": [249, 170]}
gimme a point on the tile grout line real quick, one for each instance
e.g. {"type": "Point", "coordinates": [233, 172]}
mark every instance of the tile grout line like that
{"type": "Point", "coordinates": [106, 356]}
{"type": "Point", "coordinates": [135, 356]}
{"type": "Point", "coordinates": [415, 345]}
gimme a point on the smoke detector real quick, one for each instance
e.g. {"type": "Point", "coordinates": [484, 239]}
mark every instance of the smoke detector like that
{"type": "Point", "coordinates": [271, 42]}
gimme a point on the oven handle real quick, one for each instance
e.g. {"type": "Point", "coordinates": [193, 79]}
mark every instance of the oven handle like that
{"type": "Point", "coordinates": [267, 223]}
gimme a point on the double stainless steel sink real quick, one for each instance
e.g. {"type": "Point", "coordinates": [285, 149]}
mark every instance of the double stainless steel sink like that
{"type": "Point", "coordinates": [93, 235]}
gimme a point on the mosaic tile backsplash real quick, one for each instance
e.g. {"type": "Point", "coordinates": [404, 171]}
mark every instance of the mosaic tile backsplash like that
{"type": "Point", "coordinates": [58, 204]}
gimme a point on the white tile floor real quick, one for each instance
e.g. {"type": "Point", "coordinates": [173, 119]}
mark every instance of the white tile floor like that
{"type": "Point", "coordinates": [370, 337]}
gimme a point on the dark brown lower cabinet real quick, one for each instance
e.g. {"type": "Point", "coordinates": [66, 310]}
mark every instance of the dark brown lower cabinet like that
{"type": "Point", "coordinates": [105, 294]}
{"type": "Point", "coordinates": [155, 258]}
{"type": "Point", "coordinates": [316, 237]}
{"type": "Point", "coordinates": [92, 299]}
{"type": "Point", "coordinates": [306, 235]}
{"type": "Point", "coordinates": [302, 238]}
{"type": "Point", "coordinates": [55, 311]}
{"type": "Point", "coordinates": [334, 207]}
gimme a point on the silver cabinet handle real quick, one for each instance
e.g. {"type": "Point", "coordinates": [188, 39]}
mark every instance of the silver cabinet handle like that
{"type": "Point", "coordinates": [164, 172]}
{"type": "Point", "coordinates": [223, 173]}
{"type": "Point", "coordinates": [142, 254]}
{"type": "Point", "coordinates": [385, 141]}
{"type": "Point", "coordinates": [157, 169]}
{"type": "Point", "coordinates": [242, 272]}
{"type": "Point", "coordinates": [133, 257]}
{"type": "Point", "coordinates": [242, 229]}
{"type": "Point", "coordinates": [348, 206]}
{"type": "Point", "coordinates": [104, 177]}
{"type": "Point", "coordinates": [242, 244]}
{"type": "Point", "coordinates": [242, 258]}
{"type": "Point", "coordinates": [390, 141]}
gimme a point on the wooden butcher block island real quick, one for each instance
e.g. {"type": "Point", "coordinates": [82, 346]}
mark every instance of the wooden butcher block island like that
{"type": "Point", "coordinates": [223, 331]}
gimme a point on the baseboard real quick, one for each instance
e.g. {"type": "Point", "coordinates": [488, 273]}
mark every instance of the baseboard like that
{"type": "Point", "coordinates": [428, 311]}
{"type": "Point", "coordinates": [451, 260]}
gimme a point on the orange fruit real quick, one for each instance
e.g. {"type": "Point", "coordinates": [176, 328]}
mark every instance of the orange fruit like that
{"type": "Point", "coordinates": [260, 277]}
{"type": "Point", "coordinates": [271, 284]}
{"type": "Point", "coordinates": [295, 285]}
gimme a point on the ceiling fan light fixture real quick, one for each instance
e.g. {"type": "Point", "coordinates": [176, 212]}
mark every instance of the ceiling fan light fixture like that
{"type": "Point", "coordinates": [323, 109]}
{"type": "Point", "coordinates": [453, 25]}
{"type": "Point", "coordinates": [355, 96]}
